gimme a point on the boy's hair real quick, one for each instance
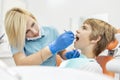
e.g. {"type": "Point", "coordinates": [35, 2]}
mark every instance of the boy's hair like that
{"type": "Point", "coordinates": [102, 29]}
{"type": "Point", "coordinates": [15, 26]}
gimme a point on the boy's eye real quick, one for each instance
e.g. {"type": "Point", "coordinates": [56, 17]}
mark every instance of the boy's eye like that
{"type": "Point", "coordinates": [83, 27]}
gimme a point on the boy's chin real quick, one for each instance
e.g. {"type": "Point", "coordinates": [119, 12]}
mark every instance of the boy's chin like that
{"type": "Point", "coordinates": [75, 42]}
{"type": "Point", "coordinates": [75, 46]}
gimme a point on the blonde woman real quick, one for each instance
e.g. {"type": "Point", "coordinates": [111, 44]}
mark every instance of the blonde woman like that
{"type": "Point", "coordinates": [91, 38]}
{"type": "Point", "coordinates": [32, 44]}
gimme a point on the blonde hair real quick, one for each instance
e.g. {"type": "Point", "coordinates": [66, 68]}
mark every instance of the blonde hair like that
{"type": "Point", "coordinates": [15, 26]}
{"type": "Point", "coordinates": [102, 29]}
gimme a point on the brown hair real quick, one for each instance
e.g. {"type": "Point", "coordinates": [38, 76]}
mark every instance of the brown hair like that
{"type": "Point", "coordinates": [102, 29]}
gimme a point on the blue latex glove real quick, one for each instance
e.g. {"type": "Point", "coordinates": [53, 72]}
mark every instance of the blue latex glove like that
{"type": "Point", "coordinates": [72, 54]}
{"type": "Point", "coordinates": [62, 42]}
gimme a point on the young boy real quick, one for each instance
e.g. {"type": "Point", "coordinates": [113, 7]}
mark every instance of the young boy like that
{"type": "Point", "coordinates": [92, 38]}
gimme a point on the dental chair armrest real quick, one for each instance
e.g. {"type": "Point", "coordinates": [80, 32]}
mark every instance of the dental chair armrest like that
{"type": "Point", "coordinates": [114, 65]}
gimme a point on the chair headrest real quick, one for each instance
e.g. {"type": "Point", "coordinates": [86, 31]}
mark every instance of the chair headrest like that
{"type": "Point", "coordinates": [114, 43]}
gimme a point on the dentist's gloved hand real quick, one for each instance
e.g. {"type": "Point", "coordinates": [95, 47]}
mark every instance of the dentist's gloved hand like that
{"type": "Point", "coordinates": [72, 54]}
{"type": "Point", "coordinates": [62, 42]}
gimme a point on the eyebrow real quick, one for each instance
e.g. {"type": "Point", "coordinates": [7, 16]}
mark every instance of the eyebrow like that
{"type": "Point", "coordinates": [84, 26]}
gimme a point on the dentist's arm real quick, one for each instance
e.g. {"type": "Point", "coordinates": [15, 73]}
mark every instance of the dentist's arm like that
{"type": "Point", "coordinates": [62, 42]}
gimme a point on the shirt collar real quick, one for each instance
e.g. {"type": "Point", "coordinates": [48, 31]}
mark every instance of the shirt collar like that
{"type": "Point", "coordinates": [42, 32]}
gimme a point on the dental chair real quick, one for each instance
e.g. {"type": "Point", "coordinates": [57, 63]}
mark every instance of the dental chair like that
{"type": "Point", "coordinates": [114, 64]}
{"type": "Point", "coordinates": [111, 62]}
{"type": "Point", "coordinates": [104, 59]}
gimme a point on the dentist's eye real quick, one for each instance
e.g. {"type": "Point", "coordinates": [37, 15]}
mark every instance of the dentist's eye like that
{"type": "Point", "coordinates": [27, 31]}
{"type": "Point", "coordinates": [32, 24]}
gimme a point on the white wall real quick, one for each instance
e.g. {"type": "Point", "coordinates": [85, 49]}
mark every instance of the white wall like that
{"type": "Point", "coordinates": [66, 13]}
{"type": "Point", "coordinates": [60, 12]}
{"type": "Point", "coordinates": [0, 6]}
{"type": "Point", "coordinates": [0, 17]}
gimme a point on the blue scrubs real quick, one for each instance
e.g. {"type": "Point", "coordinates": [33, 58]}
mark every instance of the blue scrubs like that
{"type": "Point", "coordinates": [49, 34]}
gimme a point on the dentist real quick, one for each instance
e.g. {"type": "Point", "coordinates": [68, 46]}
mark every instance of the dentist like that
{"type": "Point", "coordinates": [32, 44]}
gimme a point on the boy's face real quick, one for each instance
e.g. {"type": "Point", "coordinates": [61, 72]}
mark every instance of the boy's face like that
{"type": "Point", "coordinates": [32, 29]}
{"type": "Point", "coordinates": [82, 37]}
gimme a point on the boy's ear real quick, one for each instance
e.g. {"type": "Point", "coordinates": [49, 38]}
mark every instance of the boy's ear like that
{"type": "Point", "coordinates": [96, 40]}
